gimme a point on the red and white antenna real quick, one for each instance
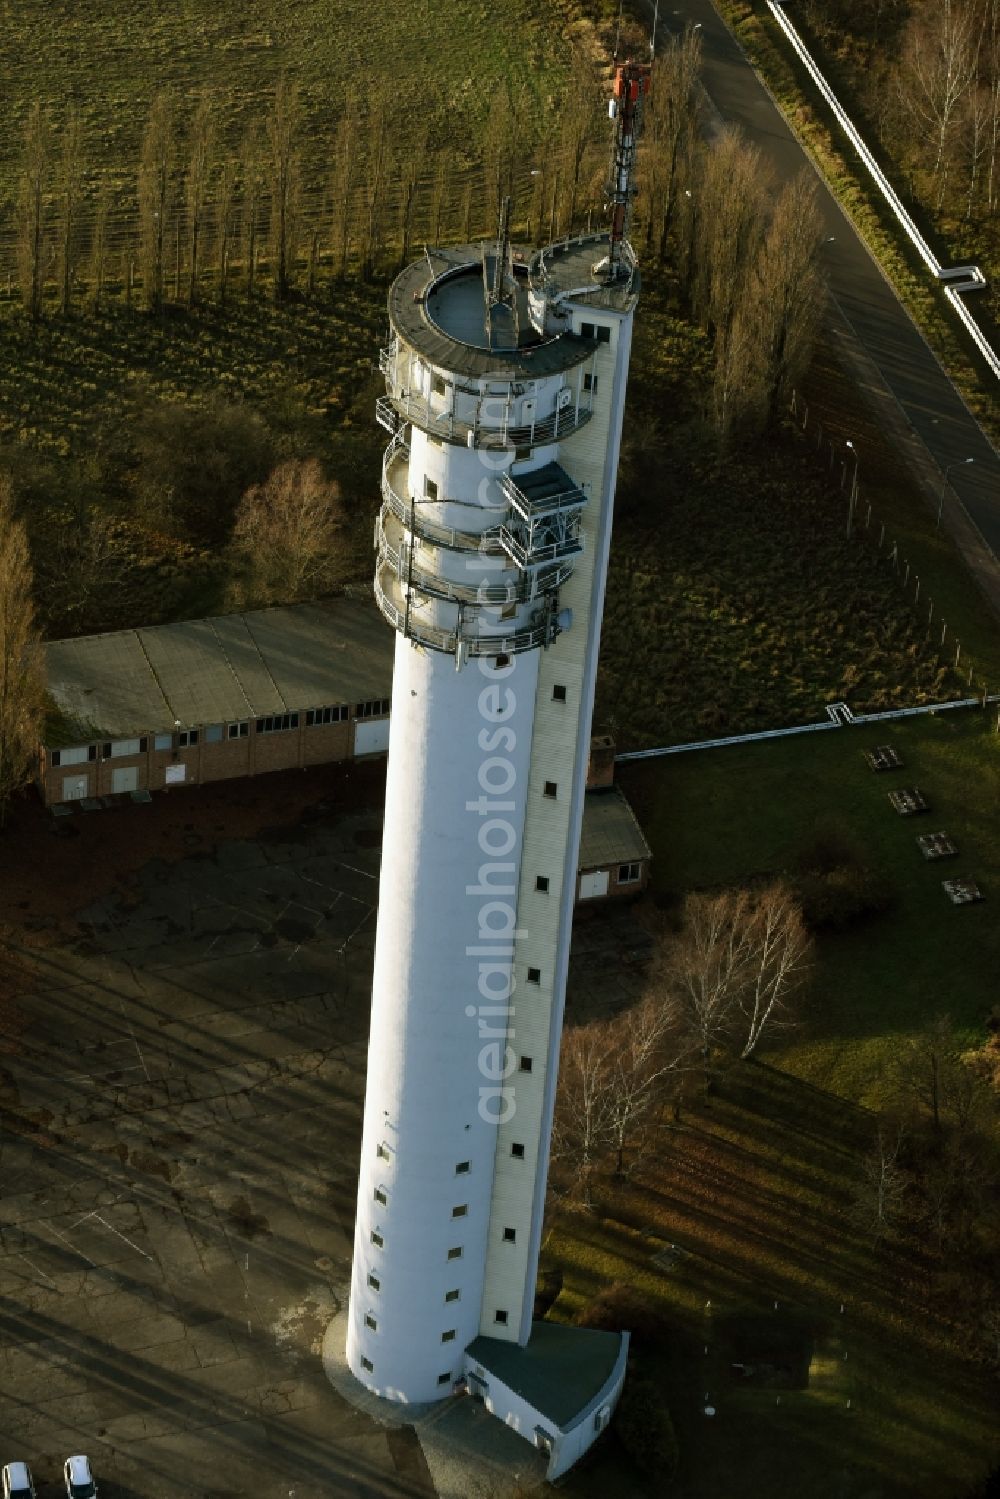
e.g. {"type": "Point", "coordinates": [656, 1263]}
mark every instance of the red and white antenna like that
{"type": "Point", "coordinates": [631, 85]}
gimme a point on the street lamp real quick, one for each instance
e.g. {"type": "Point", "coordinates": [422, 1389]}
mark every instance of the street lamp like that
{"type": "Point", "coordinates": [958, 463]}
{"type": "Point", "coordinates": [854, 488]}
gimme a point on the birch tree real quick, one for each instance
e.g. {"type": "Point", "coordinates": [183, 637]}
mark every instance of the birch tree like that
{"type": "Point", "coordinates": [938, 68]}
{"type": "Point", "coordinates": [99, 249]}
{"type": "Point", "coordinates": [224, 207]}
{"type": "Point", "coordinates": [343, 181]}
{"type": "Point", "coordinates": [22, 677]}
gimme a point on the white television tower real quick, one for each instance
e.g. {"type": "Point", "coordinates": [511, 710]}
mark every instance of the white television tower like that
{"type": "Point", "coordinates": [505, 388]}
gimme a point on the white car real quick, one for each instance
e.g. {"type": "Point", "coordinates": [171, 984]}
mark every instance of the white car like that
{"type": "Point", "coordinates": [17, 1482]}
{"type": "Point", "coordinates": [79, 1479]}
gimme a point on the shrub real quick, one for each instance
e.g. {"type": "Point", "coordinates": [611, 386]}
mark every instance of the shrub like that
{"type": "Point", "coordinates": [645, 1429]}
{"type": "Point", "coordinates": [840, 897]}
{"type": "Point", "coordinates": [195, 462]}
{"type": "Point", "coordinates": [620, 1308]}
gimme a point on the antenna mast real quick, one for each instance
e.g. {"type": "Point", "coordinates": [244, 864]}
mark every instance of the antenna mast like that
{"type": "Point", "coordinates": [631, 86]}
{"type": "Point", "coordinates": [500, 288]}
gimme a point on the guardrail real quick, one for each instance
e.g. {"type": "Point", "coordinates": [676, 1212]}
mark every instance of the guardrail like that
{"type": "Point", "coordinates": [839, 716]}
{"type": "Point", "coordinates": [408, 623]}
{"type": "Point", "coordinates": [964, 278]}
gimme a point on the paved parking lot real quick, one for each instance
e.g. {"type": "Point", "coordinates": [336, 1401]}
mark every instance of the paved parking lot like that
{"type": "Point", "coordinates": [180, 1088]}
{"type": "Point", "coordinates": [181, 1080]}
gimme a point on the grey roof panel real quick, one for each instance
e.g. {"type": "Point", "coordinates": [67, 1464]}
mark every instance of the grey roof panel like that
{"type": "Point", "coordinates": [197, 680]}
{"type": "Point", "coordinates": [610, 833]}
{"type": "Point", "coordinates": [101, 686]}
{"type": "Point", "coordinates": [559, 1371]}
{"type": "Point", "coordinates": [224, 669]}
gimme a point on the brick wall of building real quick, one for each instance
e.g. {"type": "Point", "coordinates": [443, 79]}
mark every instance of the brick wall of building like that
{"type": "Point", "coordinates": [257, 753]}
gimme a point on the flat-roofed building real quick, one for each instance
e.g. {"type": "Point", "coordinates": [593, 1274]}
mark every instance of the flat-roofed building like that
{"type": "Point", "coordinates": [212, 699]}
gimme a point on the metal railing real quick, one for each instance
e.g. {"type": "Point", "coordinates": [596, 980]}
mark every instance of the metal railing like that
{"type": "Point", "coordinates": [449, 641]}
{"type": "Point", "coordinates": [528, 586]}
{"type": "Point", "coordinates": [464, 541]}
{"type": "Point", "coordinates": [528, 555]}
{"type": "Point", "coordinates": [502, 436]}
{"type": "Point", "coordinates": [532, 509]}
{"type": "Point", "coordinates": [385, 414]}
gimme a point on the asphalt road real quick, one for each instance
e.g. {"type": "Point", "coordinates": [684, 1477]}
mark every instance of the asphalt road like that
{"type": "Point", "coordinates": [870, 307]}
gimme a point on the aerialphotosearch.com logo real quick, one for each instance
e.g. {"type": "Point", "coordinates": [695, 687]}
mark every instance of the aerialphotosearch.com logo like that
{"type": "Point", "coordinates": [498, 837]}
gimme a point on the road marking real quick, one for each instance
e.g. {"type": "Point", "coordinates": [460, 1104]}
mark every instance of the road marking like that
{"type": "Point", "coordinates": [24, 1257]}
{"type": "Point", "coordinates": [123, 1237]}
{"type": "Point", "coordinates": [71, 1246]}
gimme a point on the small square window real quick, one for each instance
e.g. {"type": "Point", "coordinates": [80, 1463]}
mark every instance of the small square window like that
{"type": "Point", "coordinates": [377, 1240]}
{"type": "Point", "coordinates": [452, 1295]}
{"type": "Point", "coordinates": [430, 489]}
{"type": "Point", "coordinates": [534, 975]}
{"type": "Point", "coordinates": [558, 693]}
{"type": "Point", "coordinates": [382, 1151]}
{"type": "Point", "coordinates": [455, 1253]}
{"type": "Point", "coordinates": [163, 741]}
{"type": "Point", "coordinates": [370, 1322]}
{"type": "Point", "coordinates": [551, 790]}
{"type": "Point", "coordinates": [374, 1282]}
{"type": "Point", "coordinates": [629, 874]}
{"type": "Point", "coordinates": [238, 730]}
{"type": "Point", "coordinates": [542, 883]}
{"type": "Point", "coordinates": [449, 1336]}
{"type": "Point", "coordinates": [517, 1151]}
{"type": "Point", "coordinates": [213, 733]}
{"type": "Point", "coordinates": [460, 1211]}
{"type": "Point", "coordinates": [501, 1317]}
{"type": "Point", "coordinates": [186, 738]}
{"type": "Point", "coordinates": [586, 330]}
{"type": "Point", "coordinates": [510, 1235]}
{"type": "Point", "coordinates": [501, 663]}
{"type": "Point", "coordinates": [444, 1378]}
{"type": "Point", "coordinates": [603, 333]}
{"type": "Point", "coordinates": [590, 382]}
{"type": "Point", "coordinates": [367, 1364]}
{"type": "Point", "coordinates": [380, 1196]}
{"type": "Point", "coordinates": [526, 1064]}
{"type": "Point", "coordinates": [462, 1168]}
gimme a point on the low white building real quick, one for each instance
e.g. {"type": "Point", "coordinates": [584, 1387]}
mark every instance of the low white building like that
{"type": "Point", "coordinates": [557, 1391]}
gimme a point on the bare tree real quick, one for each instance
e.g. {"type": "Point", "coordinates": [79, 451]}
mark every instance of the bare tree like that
{"type": "Point", "coordinates": [22, 676]}
{"type": "Point", "coordinates": [649, 1048]}
{"type": "Point", "coordinates": [224, 206]}
{"type": "Point", "coordinates": [499, 146]}
{"type": "Point", "coordinates": [343, 180]}
{"type": "Point", "coordinates": [731, 210]}
{"type": "Point", "coordinates": [283, 127]}
{"type": "Point", "coordinates": [779, 957]}
{"type": "Point", "coordinates": [201, 146]}
{"type": "Point", "coordinates": [155, 177]}
{"type": "Point", "coordinates": [787, 293]}
{"type": "Point", "coordinates": [882, 1189]}
{"type": "Point", "coordinates": [582, 1123]}
{"type": "Point", "coordinates": [734, 966]}
{"type": "Point", "coordinates": [99, 248]}
{"type": "Point", "coordinates": [577, 119]}
{"type": "Point", "coordinates": [252, 171]}
{"type": "Point", "coordinates": [669, 133]}
{"type": "Point", "coordinates": [938, 66]}
{"type": "Point", "coordinates": [412, 162]}
{"type": "Point", "coordinates": [31, 211]}
{"type": "Point", "coordinates": [286, 529]}
{"type": "Point", "coordinates": [377, 172]}
{"type": "Point", "coordinates": [70, 188]}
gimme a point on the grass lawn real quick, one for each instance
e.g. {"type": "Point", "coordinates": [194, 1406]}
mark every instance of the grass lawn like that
{"type": "Point", "coordinates": [754, 1191]}
{"type": "Point", "coordinates": [755, 1186]}
{"type": "Point", "coordinates": [724, 816]}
